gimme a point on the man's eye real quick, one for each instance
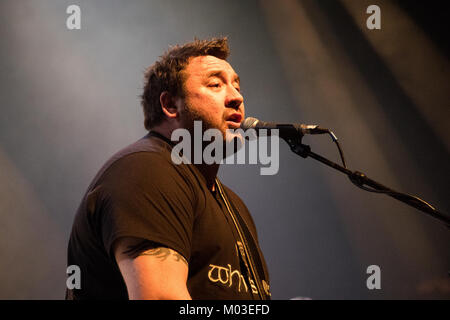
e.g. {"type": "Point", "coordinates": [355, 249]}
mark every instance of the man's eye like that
{"type": "Point", "coordinates": [214, 85]}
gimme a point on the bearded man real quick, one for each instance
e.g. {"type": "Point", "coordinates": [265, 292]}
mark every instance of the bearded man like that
{"type": "Point", "coordinates": [148, 228]}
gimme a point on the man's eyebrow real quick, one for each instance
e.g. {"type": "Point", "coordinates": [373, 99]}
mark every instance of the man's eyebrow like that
{"type": "Point", "coordinates": [220, 73]}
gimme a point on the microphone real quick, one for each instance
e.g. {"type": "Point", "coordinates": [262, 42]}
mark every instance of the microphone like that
{"type": "Point", "coordinates": [286, 131]}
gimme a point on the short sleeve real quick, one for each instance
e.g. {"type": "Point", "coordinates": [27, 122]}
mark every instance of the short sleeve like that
{"type": "Point", "coordinates": [144, 195]}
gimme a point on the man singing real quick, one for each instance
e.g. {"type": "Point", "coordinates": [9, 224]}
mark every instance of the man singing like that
{"type": "Point", "coordinates": [148, 228]}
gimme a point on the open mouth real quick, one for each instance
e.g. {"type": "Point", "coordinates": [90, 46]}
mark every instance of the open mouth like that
{"type": "Point", "coordinates": [234, 120]}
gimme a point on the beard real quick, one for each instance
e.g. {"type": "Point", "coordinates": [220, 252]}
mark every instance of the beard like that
{"type": "Point", "coordinates": [189, 115]}
{"type": "Point", "coordinates": [232, 141]}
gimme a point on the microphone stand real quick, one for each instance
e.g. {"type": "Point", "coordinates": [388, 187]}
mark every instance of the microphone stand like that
{"type": "Point", "coordinates": [361, 180]}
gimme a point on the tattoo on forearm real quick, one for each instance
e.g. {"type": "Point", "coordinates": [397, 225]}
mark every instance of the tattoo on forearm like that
{"type": "Point", "coordinates": [163, 253]}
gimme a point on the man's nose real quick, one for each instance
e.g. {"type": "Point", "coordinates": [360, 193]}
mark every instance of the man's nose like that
{"type": "Point", "coordinates": [234, 98]}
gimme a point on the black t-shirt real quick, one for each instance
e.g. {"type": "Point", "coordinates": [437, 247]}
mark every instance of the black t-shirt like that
{"type": "Point", "coordinates": [141, 193]}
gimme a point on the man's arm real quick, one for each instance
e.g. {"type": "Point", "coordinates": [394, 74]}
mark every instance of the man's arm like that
{"type": "Point", "coordinates": [154, 273]}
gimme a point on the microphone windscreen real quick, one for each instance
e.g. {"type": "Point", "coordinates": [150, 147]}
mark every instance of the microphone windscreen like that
{"type": "Point", "coordinates": [249, 123]}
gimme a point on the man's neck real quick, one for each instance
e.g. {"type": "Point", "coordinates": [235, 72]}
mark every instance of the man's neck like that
{"type": "Point", "coordinates": [209, 171]}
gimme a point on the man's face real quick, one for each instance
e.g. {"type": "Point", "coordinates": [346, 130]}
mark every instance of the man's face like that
{"type": "Point", "coordinates": [212, 95]}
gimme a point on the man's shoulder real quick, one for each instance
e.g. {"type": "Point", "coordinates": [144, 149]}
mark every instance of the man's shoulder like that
{"type": "Point", "coordinates": [148, 155]}
{"type": "Point", "coordinates": [148, 147]}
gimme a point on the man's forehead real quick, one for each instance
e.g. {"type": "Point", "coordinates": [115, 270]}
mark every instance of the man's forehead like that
{"type": "Point", "coordinates": [208, 66]}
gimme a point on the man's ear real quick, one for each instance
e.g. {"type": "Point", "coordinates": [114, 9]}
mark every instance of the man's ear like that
{"type": "Point", "coordinates": [168, 105]}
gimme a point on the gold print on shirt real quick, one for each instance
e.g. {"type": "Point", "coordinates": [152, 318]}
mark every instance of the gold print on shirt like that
{"type": "Point", "coordinates": [225, 276]}
{"type": "Point", "coordinates": [266, 288]}
{"type": "Point", "coordinates": [252, 284]}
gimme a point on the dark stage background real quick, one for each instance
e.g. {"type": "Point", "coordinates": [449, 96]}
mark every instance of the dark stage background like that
{"type": "Point", "coordinates": [69, 100]}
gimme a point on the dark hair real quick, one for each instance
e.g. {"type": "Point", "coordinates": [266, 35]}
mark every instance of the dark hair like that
{"type": "Point", "coordinates": [166, 74]}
